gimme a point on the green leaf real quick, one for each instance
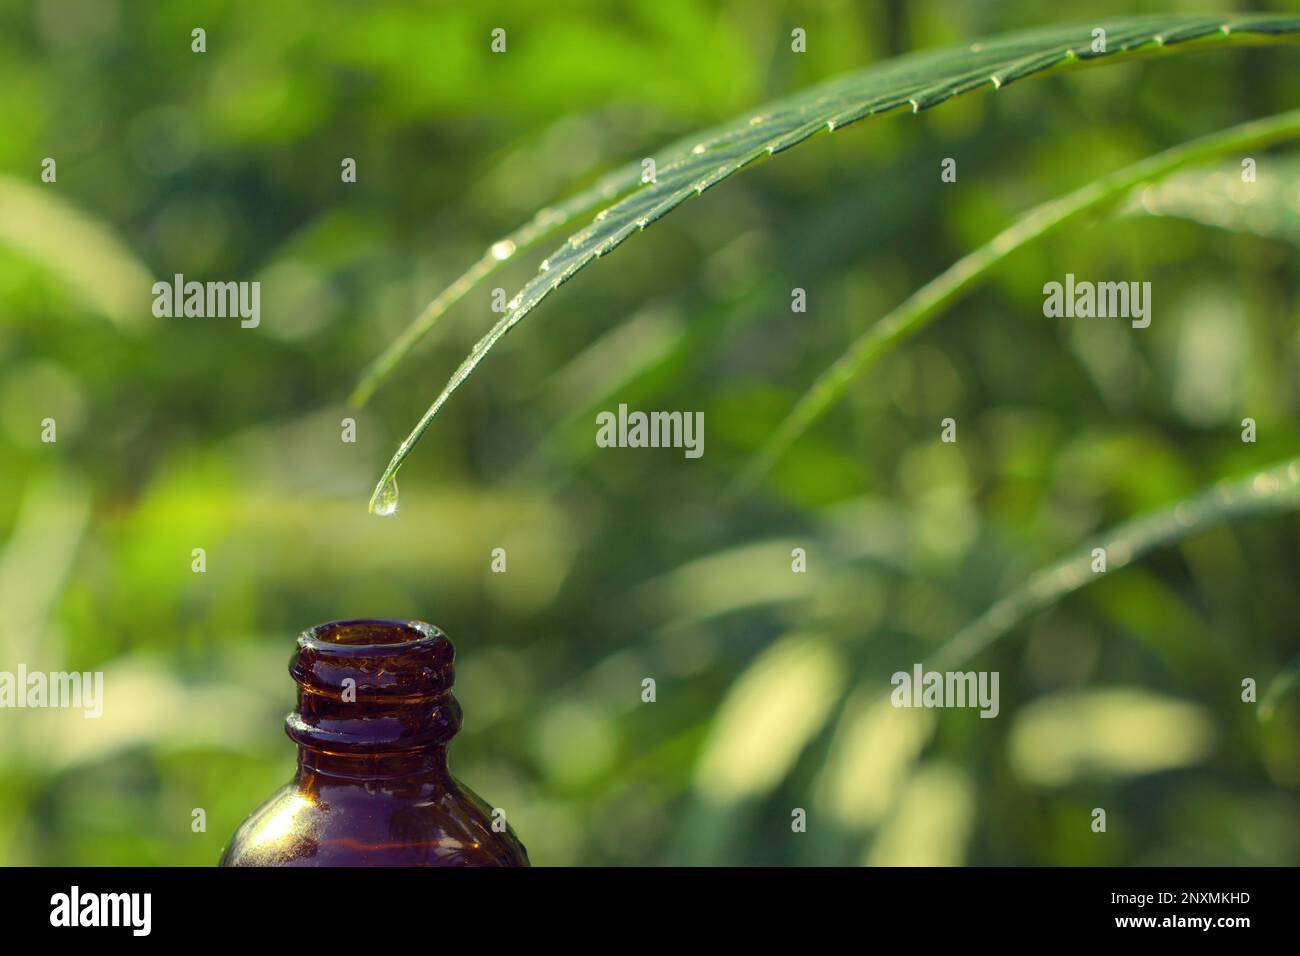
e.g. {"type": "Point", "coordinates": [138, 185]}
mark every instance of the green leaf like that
{"type": "Point", "coordinates": [931, 300]}
{"type": "Point", "coordinates": [1268, 207]}
{"type": "Point", "coordinates": [1270, 490]}
{"type": "Point", "coordinates": [692, 165]}
{"type": "Point", "coordinates": [772, 711]}
{"type": "Point", "coordinates": [1286, 681]}
{"type": "Point", "coordinates": [543, 223]}
{"type": "Point", "coordinates": [79, 249]}
{"type": "Point", "coordinates": [1274, 489]}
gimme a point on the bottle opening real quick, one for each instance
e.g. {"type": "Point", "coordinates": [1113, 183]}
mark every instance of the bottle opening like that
{"type": "Point", "coordinates": [371, 685]}
{"type": "Point", "coordinates": [371, 633]}
{"type": "Point", "coordinates": [398, 656]}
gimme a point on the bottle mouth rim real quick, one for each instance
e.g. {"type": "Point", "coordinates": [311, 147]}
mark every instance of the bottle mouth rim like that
{"type": "Point", "coordinates": [372, 685]}
{"type": "Point", "coordinates": [370, 636]}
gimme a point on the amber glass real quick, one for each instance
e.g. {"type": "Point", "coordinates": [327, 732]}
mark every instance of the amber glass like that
{"type": "Point", "coordinates": [375, 715]}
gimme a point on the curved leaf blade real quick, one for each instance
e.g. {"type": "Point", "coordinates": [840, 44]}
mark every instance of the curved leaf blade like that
{"type": "Point", "coordinates": [919, 80]}
{"type": "Point", "coordinates": [1268, 207]}
{"type": "Point", "coordinates": [1271, 490]}
{"type": "Point", "coordinates": [544, 222]}
{"type": "Point", "coordinates": [103, 270]}
{"type": "Point", "coordinates": [931, 300]}
{"type": "Point", "coordinates": [1286, 681]}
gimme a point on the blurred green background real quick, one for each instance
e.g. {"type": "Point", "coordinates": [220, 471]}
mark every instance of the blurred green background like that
{"type": "Point", "coordinates": [175, 434]}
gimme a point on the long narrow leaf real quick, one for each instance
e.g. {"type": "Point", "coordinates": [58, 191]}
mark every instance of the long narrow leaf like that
{"type": "Point", "coordinates": [1270, 490]}
{"type": "Point", "coordinates": [1267, 207]}
{"type": "Point", "coordinates": [932, 299]}
{"type": "Point", "coordinates": [918, 81]}
{"type": "Point", "coordinates": [1283, 684]}
{"type": "Point", "coordinates": [543, 223]}
{"type": "Point", "coordinates": [44, 226]}
{"type": "Point", "coordinates": [1274, 489]}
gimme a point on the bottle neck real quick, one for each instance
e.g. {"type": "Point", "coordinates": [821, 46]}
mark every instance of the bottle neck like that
{"type": "Point", "coordinates": [317, 768]}
{"type": "Point", "coordinates": [374, 700]}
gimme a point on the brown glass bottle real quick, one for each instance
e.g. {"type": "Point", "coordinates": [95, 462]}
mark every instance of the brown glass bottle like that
{"type": "Point", "coordinates": [372, 787]}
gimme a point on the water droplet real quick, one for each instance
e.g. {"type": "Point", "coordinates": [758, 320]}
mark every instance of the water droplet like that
{"type": "Point", "coordinates": [546, 265]}
{"type": "Point", "coordinates": [503, 249]}
{"type": "Point", "coordinates": [384, 503]}
{"type": "Point", "coordinates": [698, 148]}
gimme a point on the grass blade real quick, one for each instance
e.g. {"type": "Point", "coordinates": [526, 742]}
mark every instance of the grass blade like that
{"type": "Point", "coordinates": [1274, 489]}
{"type": "Point", "coordinates": [44, 226]}
{"type": "Point", "coordinates": [918, 81]}
{"type": "Point", "coordinates": [1283, 684]}
{"type": "Point", "coordinates": [1268, 207]}
{"type": "Point", "coordinates": [929, 302]}
{"type": "Point", "coordinates": [543, 223]}
{"type": "Point", "coordinates": [1270, 490]}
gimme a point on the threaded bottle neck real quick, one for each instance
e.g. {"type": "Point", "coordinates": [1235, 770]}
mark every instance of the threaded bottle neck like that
{"type": "Point", "coordinates": [371, 687]}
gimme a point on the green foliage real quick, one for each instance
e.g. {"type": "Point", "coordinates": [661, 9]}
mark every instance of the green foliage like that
{"type": "Point", "coordinates": [103, 271]}
{"type": "Point", "coordinates": [691, 166]}
{"type": "Point", "coordinates": [1219, 198]}
{"type": "Point", "coordinates": [626, 564]}
{"type": "Point", "coordinates": [1269, 490]}
{"type": "Point", "coordinates": [932, 299]}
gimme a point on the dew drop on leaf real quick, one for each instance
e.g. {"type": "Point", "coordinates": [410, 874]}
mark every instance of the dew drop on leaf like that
{"type": "Point", "coordinates": [384, 503]}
